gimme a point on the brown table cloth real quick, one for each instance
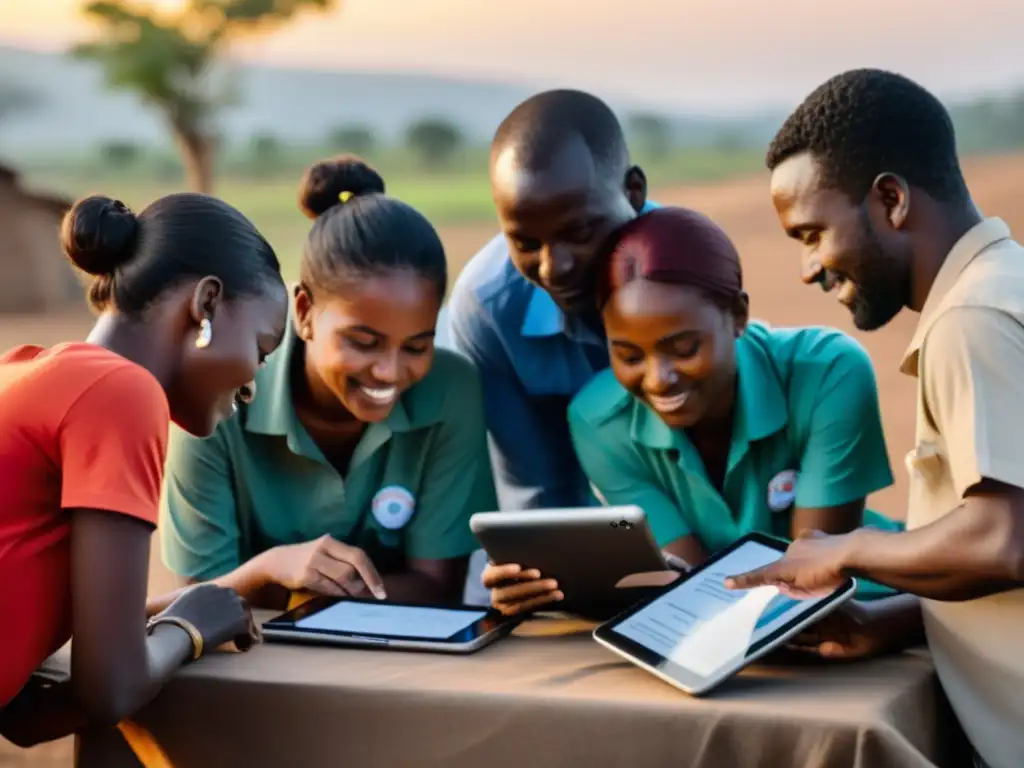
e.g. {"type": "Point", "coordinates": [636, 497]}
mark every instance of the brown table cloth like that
{"type": "Point", "coordinates": [549, 696]}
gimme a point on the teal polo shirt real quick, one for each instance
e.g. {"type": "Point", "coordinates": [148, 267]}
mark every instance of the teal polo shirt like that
{"type": "Point", "coordinates": [807, 433]}
{"type": "Point", "coordinates": [260, 481]}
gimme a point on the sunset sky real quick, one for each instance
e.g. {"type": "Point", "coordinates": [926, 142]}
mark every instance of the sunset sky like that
{"type": "Point", "coordinates": [710, 54]}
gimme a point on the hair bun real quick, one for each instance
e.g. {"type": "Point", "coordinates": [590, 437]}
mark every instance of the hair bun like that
{"type": "Point", "coordinates": [333, 182]}
{"type": "Point", "coordinates": [99, 234]}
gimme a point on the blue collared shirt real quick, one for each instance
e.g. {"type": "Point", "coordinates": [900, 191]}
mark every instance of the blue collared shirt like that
{"type": "Point", "coordinates": [532, 359]}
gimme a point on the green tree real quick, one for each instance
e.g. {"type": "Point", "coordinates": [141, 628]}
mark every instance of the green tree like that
{"type": "Point", "coordinates": [357, 139]}
{"type": "Point", "coordinates": [435, 140]}
{"type": "Point", "coordinates": [169, 61]}
{"type": "Point", "coordinates": [651, 134]}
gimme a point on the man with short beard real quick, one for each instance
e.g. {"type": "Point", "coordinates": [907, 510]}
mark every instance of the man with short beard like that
{"type": "Point", "coordinates": [865, 176]}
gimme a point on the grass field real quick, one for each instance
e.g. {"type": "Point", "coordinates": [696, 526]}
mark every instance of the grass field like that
{"type": "Point", "coordinates": [267, 192]}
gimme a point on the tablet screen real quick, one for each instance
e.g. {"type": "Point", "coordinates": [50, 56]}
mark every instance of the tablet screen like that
{"type": "Point", "coordinates": [703, 627]}
{"type": "Point", "coordinates": [385, 620]}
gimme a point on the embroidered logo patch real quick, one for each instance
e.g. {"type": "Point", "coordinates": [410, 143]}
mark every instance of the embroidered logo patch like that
{"type": "Point", "coordinates": [393, 506]}
{"type": "Point", "coordinates": [782, 490]}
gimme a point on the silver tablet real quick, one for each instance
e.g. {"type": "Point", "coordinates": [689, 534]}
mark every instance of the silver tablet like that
{"type": "Point", "coordinates": [588, 550]}
{"type": "Point", "coordinates": [367, 623]}
{"type": "Point", "coordinates": [697, 633]}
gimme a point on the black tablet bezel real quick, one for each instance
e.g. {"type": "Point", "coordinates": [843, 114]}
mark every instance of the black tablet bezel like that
{"type": "Point", "coordinates": [683, 675]}
{"type": "Point", "coordinates": [287, 622]}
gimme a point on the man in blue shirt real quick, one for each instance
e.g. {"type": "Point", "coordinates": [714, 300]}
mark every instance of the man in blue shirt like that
{"type": "Point", "coordinates": [522, 309]}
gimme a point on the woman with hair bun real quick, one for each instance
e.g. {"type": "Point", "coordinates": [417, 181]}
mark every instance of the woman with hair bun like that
{"type": "Point", "coordinates": [357, 470]}
{"type": "Point", "coordinates": [190, 301]}
{"type": "Point", "coordinates": [717, 425]}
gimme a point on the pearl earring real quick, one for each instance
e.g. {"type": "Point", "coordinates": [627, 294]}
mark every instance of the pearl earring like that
{"type": "Point", "coordinates": [205, 333]}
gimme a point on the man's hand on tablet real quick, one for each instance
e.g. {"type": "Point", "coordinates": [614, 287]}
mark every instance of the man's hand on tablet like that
{"type": "Point", "coordinates": [515, 591]}
{"type": "Point", "coordinates": [814, 565]}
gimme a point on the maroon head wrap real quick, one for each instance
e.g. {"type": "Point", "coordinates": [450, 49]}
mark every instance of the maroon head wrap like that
{"type": "Point", "coordinates": [672, 245]}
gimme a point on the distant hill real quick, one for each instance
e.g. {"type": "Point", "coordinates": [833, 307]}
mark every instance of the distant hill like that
{"type": "Point", "coordinates": [77, 111]}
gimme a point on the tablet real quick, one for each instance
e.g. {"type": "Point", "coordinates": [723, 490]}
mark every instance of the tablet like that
{"type": "Point", "coordinates": [368, 623]}
{"type": "Point", "coordinates": [588, 550]}
{"type": "Point", "coordinates": [697, 633]}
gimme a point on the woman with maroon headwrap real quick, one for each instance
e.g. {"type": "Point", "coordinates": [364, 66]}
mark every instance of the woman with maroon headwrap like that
{"type": "Point", "coordinates": [714, 424]}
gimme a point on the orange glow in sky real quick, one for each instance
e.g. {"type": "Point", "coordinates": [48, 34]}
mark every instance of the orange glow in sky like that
{"type": "Point", "coordinates": [725, 53]}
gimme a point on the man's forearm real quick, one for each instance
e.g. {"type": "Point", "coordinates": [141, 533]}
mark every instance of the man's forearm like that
{"type": "Point", "coordinates": [974, 551]}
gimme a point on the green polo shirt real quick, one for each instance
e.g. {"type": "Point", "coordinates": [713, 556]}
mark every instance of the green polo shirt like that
{"type": "Point", "coordinates": [807, 433]}
{"type": "Point", "coordinates": [260, 481]}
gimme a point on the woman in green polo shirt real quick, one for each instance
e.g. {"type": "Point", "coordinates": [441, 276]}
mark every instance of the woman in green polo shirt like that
{"type": "Point", "coordinates": [357, 467]}
{"type": "Point", "coordinates": [713, 424]}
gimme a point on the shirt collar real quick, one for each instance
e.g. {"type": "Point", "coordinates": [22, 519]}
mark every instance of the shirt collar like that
{"type": "Point", "coordinates": [544, 318]}
{"type": "Point", "coordinates": [979, 238]}
{"type": "Point", "coordinates": [273, 410]}
{"type": "Point", "coordinates": [761, 406]}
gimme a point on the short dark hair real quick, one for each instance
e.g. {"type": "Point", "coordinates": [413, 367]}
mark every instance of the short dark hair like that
{"type": "Point", "coordinates": [541, 125]}
{"type": "Point", "coordinates": [133, 258]}
{"type": "Point", "coordinates": [358, 230]}
{"type": "Point", "coordinates": [865, 122]}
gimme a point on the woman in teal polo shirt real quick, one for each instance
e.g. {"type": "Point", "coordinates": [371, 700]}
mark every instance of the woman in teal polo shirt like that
{"type": "Point", "coordinates": [356, 469]}
{"type": "Point", "coordinates": [713, 424]}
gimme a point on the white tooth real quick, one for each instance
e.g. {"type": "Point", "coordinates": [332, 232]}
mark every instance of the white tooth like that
{"type": "Point", "coordinates": [847, 292]}
{"type": "Point", "coordinates": [669, 403]}
{"type": "Point", "coordinates": [380, 395]}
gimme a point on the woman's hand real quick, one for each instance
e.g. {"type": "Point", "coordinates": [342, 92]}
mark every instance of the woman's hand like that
{"type": "Point", "coordinates": [515, 591]}
{"type": "Point", "coordinates": [324, 566]}
{"type": "Point", "coordinates": [220, 615]}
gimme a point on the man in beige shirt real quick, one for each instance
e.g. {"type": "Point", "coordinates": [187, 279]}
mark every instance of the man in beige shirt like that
{"type": "Point", "coordinates": [865, 175]}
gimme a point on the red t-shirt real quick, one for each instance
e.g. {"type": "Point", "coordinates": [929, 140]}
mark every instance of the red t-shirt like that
{"type": "Point", "coordinates": [80, 427]}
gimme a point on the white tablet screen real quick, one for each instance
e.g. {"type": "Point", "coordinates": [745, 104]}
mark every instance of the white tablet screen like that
{"type": "Point", "coordinates": [386, 620]}
{"type": "Point", "coordinates": [702, 626]}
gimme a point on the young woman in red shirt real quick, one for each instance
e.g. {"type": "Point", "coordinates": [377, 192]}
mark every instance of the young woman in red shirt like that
{"type": "Point", "coordinates": [190, 301]}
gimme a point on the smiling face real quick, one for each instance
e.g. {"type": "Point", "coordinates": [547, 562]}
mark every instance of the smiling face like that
{"type": "Point", "coordinates": [370, 341]}
{"type": "Point", "coordinates": [852, 249]}
{"type": "Point", "coordinates": [557, 219]}
{"type": "Point", "coordinates": [674, 349]}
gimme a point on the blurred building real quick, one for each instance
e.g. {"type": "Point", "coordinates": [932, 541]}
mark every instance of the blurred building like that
{"type": "Point", "coordinates": [34, 275]}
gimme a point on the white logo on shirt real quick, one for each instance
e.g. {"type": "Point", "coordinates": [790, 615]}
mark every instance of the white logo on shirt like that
{"type": "Point", "coordinates": [782, 490]}
{"type": "Point", "coordinates": [393, 506]}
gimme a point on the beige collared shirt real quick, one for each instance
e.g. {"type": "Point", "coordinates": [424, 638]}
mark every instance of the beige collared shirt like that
{"type": "Point", "coordinates": [968, 357]}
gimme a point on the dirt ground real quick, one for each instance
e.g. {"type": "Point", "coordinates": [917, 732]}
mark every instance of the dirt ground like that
{"type": "Point", "coordinates": [771, 271]}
